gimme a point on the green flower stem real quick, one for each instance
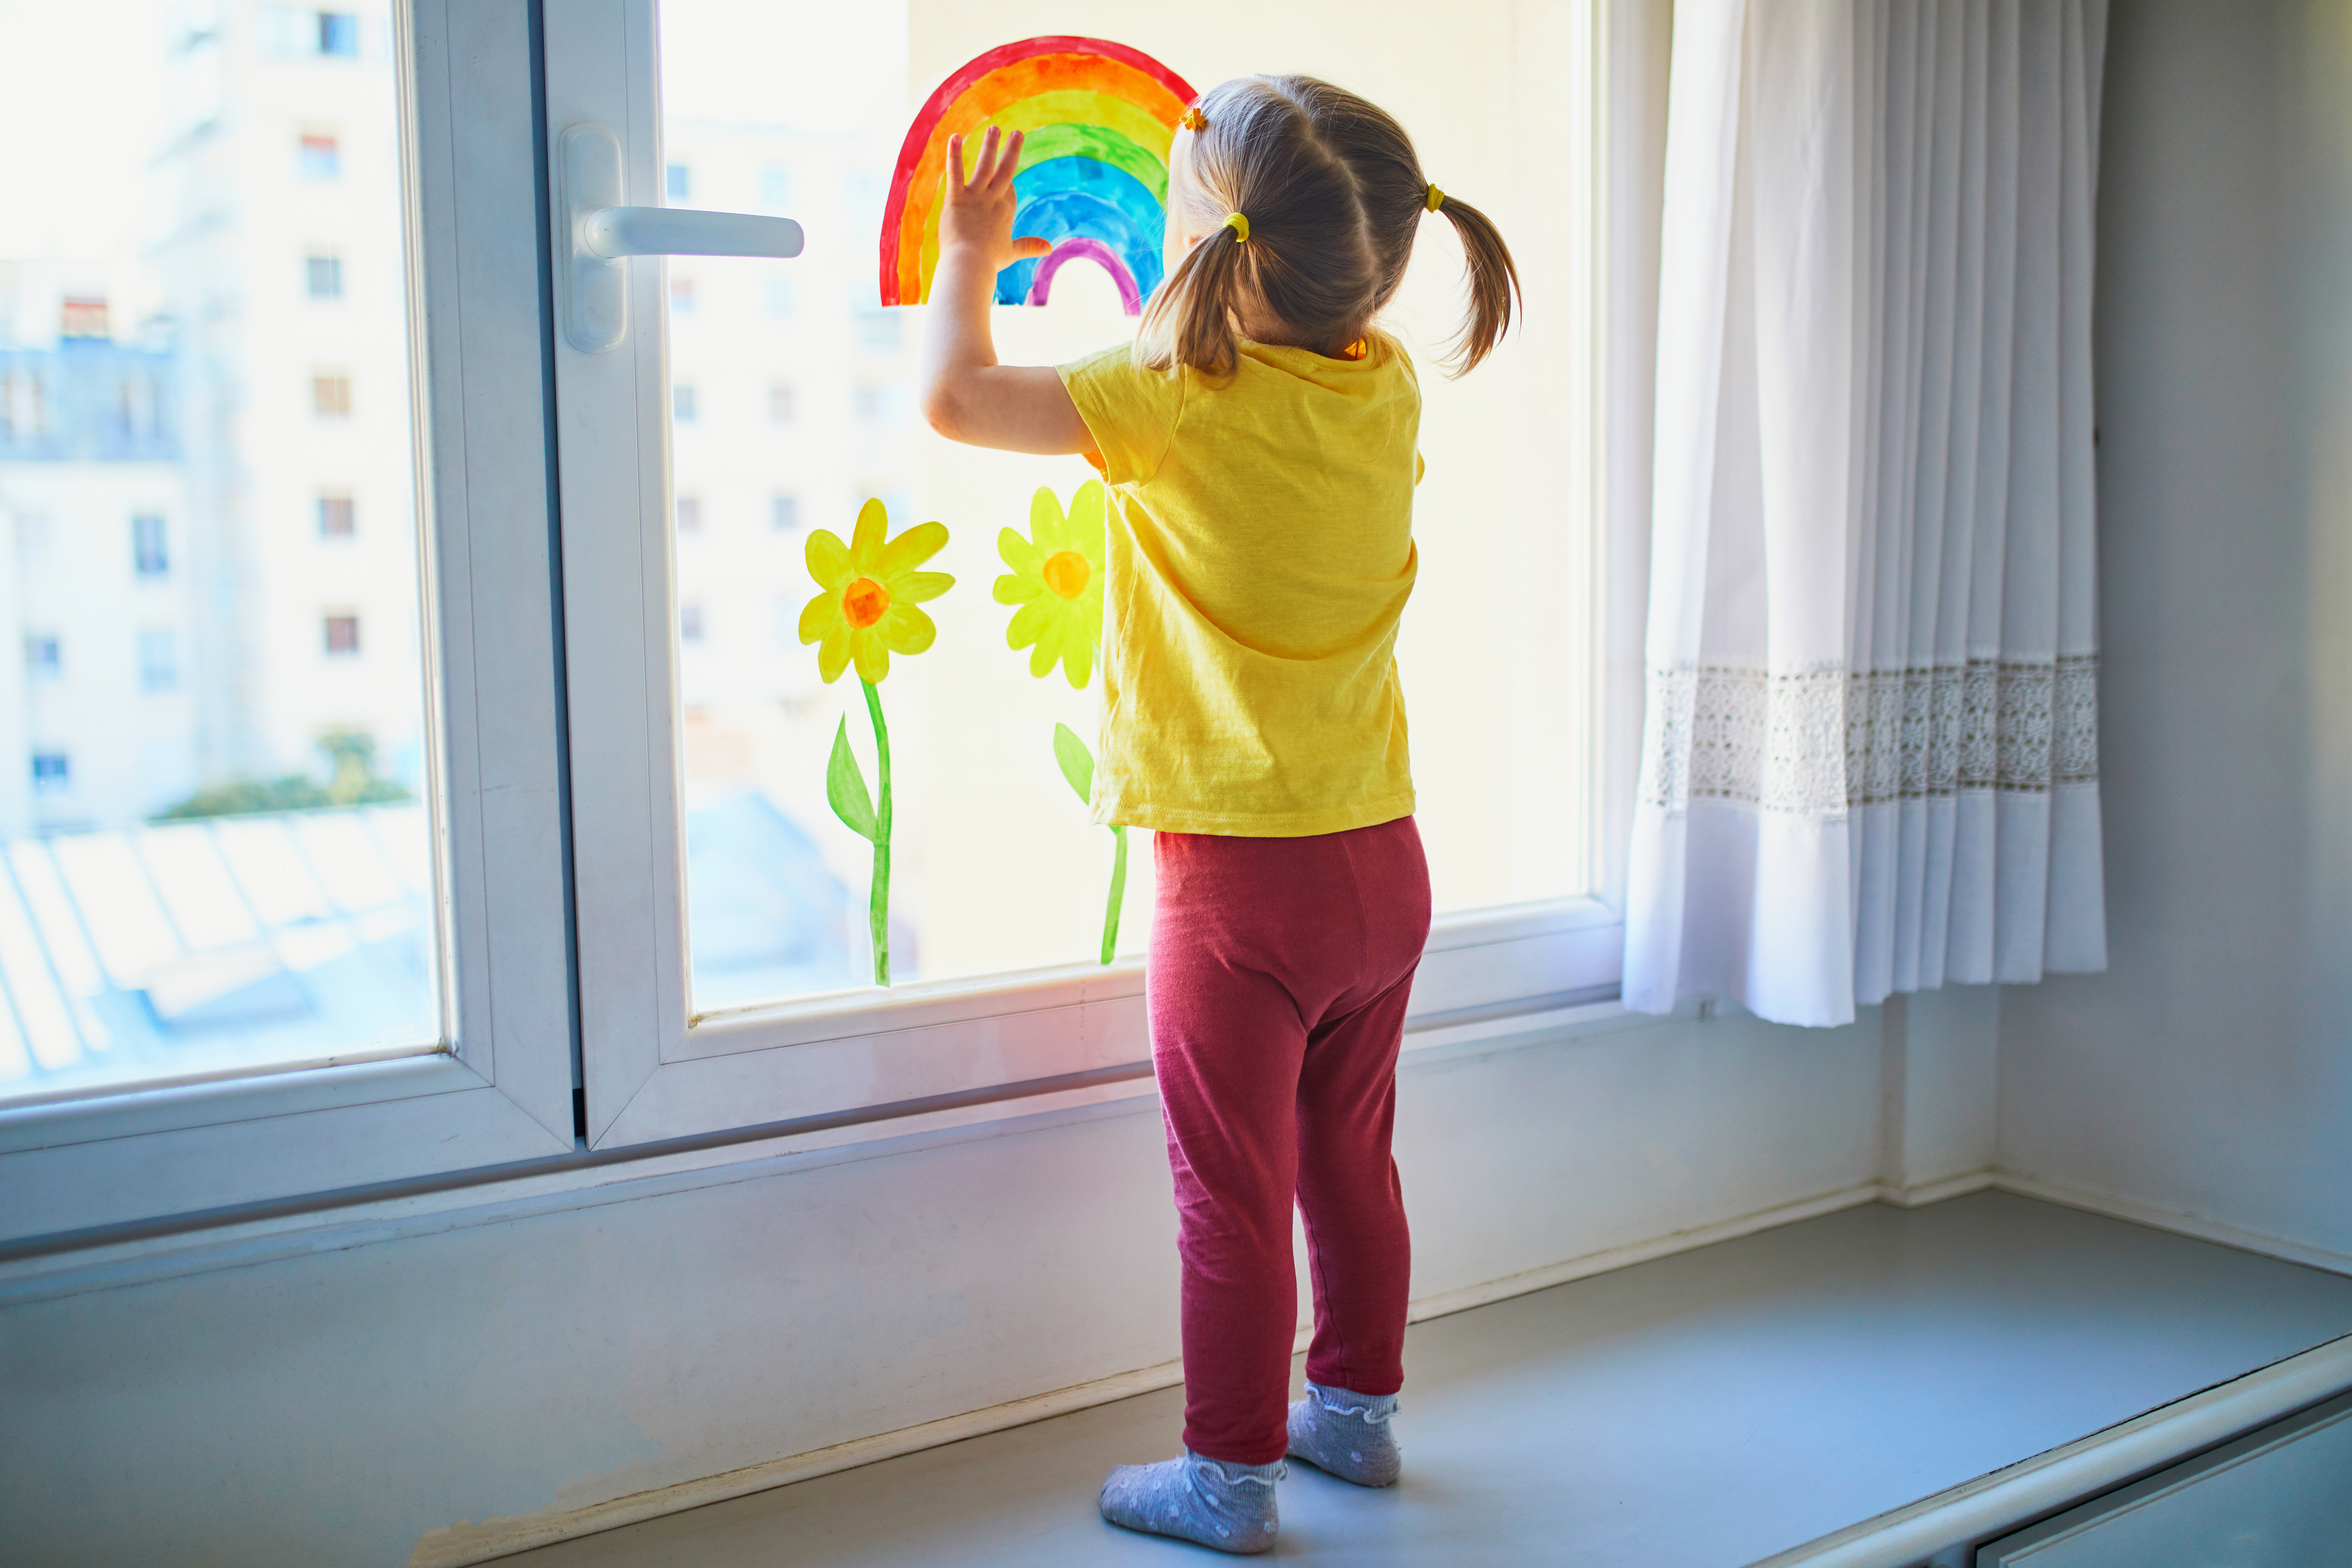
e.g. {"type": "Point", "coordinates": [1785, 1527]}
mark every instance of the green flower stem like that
{"type": "Point", "coordinates": [879, 907]}
{"type": "Point", "coordinates": [1117, 895]}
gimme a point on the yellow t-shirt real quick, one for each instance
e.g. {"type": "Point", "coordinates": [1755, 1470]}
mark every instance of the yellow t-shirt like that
{"type": "Point", "coordinates": [1260, 555]}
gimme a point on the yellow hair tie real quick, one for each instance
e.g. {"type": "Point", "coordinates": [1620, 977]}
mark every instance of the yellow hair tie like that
{"type": "Point", "coordinates": [1436, 199]}
{"type": "Point", "coordinates": [1195, 120]}
{"type": "Point", "coordinates": [1240, 225]}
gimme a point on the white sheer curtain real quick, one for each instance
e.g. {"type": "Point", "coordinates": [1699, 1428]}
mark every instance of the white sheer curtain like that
{"type": "Point", "coordinates": [1871, 752]}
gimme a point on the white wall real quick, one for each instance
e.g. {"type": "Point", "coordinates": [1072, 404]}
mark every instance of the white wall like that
{"type": "Point", "coordinates": [2209, 1073]}
{"type": "Point", "coordinates": [336, 1395]}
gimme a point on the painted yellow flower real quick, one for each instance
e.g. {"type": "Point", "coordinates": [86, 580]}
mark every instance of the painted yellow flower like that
{"type": "Point", "coordinates": [1057, 581]}
{"type": "Point", "coordinates": [868, 611]}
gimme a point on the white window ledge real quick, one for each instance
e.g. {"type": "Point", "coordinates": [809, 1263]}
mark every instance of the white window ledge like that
{"type": "Point", "coordinates": [41, 1266]}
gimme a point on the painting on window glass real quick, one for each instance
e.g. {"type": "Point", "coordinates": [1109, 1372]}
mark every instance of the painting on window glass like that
{"type": "Point", "coordinates": [214, 832]}
{"type": "Point", "coordinates": [792, 415]}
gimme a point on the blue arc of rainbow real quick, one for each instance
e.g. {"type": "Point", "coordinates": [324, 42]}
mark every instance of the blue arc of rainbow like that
{"type": "Point", "coordinates": [1090, 210]}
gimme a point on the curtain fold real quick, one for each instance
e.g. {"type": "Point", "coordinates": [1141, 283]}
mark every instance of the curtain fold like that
{"type": "Point", "coordinates": [1870, 757]}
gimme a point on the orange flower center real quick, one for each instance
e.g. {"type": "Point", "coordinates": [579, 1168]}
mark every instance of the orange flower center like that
{"type": "Point", "coordinates": [863, 602]}
{"type": "Point", "coordinates": [1066, 572]}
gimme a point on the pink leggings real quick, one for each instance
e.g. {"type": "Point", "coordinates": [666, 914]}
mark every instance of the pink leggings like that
{"type": "Point", "coordinates": [1278, 982]}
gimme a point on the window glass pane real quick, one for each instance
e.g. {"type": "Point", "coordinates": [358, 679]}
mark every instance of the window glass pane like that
{"type": "Point", "coordinates": [214, 837]}
{"type": "Point", "coordinates": [792, 407]}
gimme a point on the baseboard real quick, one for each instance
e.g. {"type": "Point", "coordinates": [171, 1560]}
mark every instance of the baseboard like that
{"type": "Point", "coordinates": [2169, 1220]}
{"type": "Point", "coordinates": [466, 1543]}
{"type": "Point", "coordinates": [1937, 1192]}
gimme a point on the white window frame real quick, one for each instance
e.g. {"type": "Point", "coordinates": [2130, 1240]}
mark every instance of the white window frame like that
{"type": "Point", "coordinates": [653, 1073]}
{"type": "Point", "coordinates": [501, 1089]}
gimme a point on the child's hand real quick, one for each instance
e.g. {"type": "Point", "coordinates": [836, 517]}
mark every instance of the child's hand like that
{"type": "Point", "coordinates": [979, 214]}
{"type": "Point", "coordinates": [967, 396]}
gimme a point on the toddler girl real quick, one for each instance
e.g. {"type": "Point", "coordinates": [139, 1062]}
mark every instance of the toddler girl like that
{"type": "Point", "coordinates": [1259, 444]}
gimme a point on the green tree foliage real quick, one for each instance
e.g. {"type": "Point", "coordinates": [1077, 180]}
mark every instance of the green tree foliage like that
{"type": "Point", "coordinates": [351, 780]}
{"type": "Point", "coordinates": [354, 781]}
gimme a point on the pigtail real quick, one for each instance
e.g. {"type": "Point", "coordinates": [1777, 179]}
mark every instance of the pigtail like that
{"type": "Point", "coordinates": [1191, 321]}
{"type": "Point", "coordinates": [1495, 296]}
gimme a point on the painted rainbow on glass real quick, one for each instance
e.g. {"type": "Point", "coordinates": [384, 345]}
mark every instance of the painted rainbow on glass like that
{"type": "Point", "coordinates": [1098, 119]}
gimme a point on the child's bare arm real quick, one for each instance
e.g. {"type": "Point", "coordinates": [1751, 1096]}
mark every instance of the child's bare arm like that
{"type": "Point", "coordinates": [967, 396]}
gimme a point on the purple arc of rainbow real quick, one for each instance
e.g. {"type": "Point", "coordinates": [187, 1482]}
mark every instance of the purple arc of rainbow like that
{"type": "Point", "coordinates": [1078, 247]}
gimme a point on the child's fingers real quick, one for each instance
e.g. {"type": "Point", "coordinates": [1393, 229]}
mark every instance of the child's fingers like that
{"type": "Point", "coordinates": [985, 174]}
{"type": "Point", "coordinates": [955, 162]}
{"type": "Point", "coordinates": [1008, 163]}
{"type": "Point", "coordinates": [1031, 245]}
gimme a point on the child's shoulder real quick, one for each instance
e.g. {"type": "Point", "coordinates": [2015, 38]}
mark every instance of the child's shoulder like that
{"type": "Point", "coordinates": [1122, 371]}
{"type": "Point", "coordinates": [1390, 350]}
{"type": "Point", "coordinates": [1127, 407]}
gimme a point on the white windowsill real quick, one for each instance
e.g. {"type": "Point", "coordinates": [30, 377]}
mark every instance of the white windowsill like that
{"type": "Point", "coordinates": [567, 1185]}
{"type": "Point", "coordinates": [867, 1056]}
{"type": "Point", "coordinates": [248, 1097]}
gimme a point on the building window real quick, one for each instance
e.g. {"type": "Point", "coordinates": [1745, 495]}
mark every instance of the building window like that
{"type": "Point", "coordinates": [342, 636]}
{"type": "Point", "coordinates": [779, 298]}
{"type": "Point", "coordinates": [689, 622]}
{"type": "Point", "coordinates": [866, 193]}
{"type": "Point", "coordinates": [681, 405]}
{"type": "Point", "coordinates": [779, 404]}
{"type": "Point", "coordinates": [331, 396]}
{"type": "Point", "coordinates": [324, 274]}
{"type": "Point", "coordinates": [784, 513]}
{"type": "Point", "coordinates": [681, 295]}
{"type": "Point", "coordinates": [159, 661]}
{"type": "Point", "coordinates": [44, 657]}
{"type": "Point", "coordinates": [24, 409]}
{"type": "Point", "coordinates": [338, 517]}
{"type": "Point", "coordinates": [678, 184]}
{"type": "Point", "coordinates": [83, 318]}
{"type": "Point", "coordinates": [881, 405]}
{"type": "Point", "coordinates": [150, 552]}
{"type": "Point", "coordinates": [52, 773]}
{"type": "Point", "coordinates": [775, 188]}
{"type": "Point", "coordinates": [139, 405]}
{"type": "Point", "coordinates": [689, 514]}
{"type": "Point", "coordinates": [321, 156]}
{"type": "Point", "coordinates": [878, 331]}
{"type": "Point", "coordinates": [339, 35]}
{"type": "Point", "coordinates": [32, 540]}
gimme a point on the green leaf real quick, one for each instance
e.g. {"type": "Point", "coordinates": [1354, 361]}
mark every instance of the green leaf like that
{"type": "Point", "coordinates": [1077, 762]}
{"type": "Point", "coordinates": [844, 787]}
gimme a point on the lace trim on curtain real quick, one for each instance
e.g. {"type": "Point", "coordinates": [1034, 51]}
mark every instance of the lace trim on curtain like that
{"type": "Point", "coordinates": [1819, 741]}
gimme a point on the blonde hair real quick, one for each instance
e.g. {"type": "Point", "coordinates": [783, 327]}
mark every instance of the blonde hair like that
{"type": "Point", "coordinates": [1332, 197]}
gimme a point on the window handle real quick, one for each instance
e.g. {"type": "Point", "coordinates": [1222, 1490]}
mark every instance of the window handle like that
{"type": "Point", "coordinates": [615, 232]}
{"type": "Point", "coordinates": [595, 234]}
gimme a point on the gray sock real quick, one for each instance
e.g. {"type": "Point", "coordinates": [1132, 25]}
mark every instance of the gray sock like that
{"type": "Point", "coordinates": [1347, 1434]}
{"type": "Point", "coordinates": [1229, 1507]}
